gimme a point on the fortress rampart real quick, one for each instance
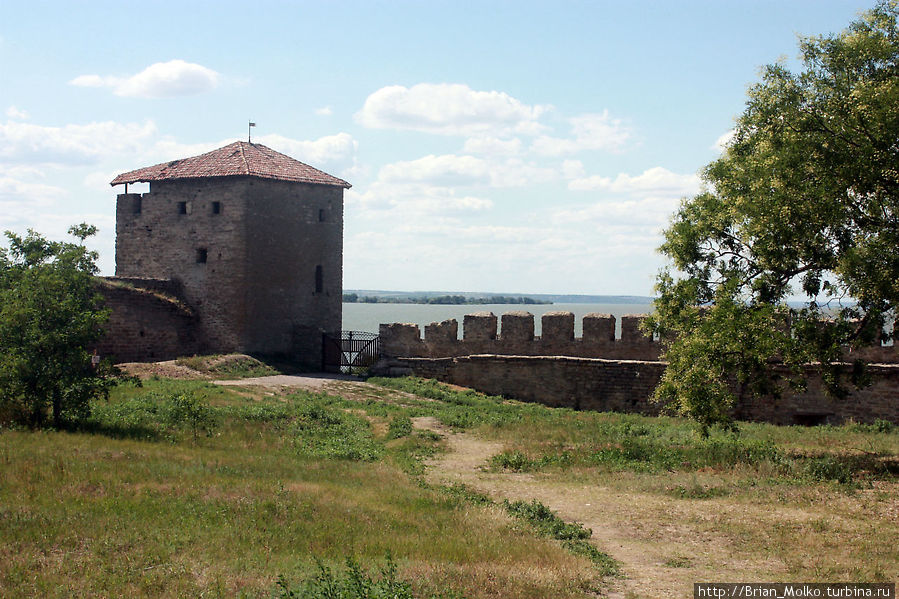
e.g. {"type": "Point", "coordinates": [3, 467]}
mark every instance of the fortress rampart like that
{"type": "Point", "coordinates": [480, 336]}
{"type": "Point", "coordinates": [598, 371]}
{"type": "Point", "coordinates": [148, 321]}
{"type": "Point", "coordinates": [513, 335]}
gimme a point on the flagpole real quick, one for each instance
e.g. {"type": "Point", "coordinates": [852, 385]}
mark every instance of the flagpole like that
{"type": "Point", "coordinates": [249, 130]}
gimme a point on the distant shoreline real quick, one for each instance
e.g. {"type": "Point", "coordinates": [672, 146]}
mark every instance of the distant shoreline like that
{"type": "Point", "coordinates": [444, 300]}
{"type": "Point", "coordinates": [471, 297]}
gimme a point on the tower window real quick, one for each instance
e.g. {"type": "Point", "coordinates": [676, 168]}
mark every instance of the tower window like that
{"type": "Point", "coordinates": [201, 255]}
{"type": "Point", "coordinates": [321, 215]}
{"type": "Point", "coordinates": [319, 279]}
{"type": "Point", "coordinates": [216, 207]}
{"type": "Point", "coordinates": [182, 207]}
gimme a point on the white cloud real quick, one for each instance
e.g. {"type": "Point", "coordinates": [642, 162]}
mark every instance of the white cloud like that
{"type": "Point", "coordinates": [590, 183]}
{"type": "Point", "coordinates": [515, 172]}
{"type": "Point", "coordinates": [493, 146]}
{"type": "Point", "coordinates": [17, 195]}
{"type": "Point", "coordinates": [451, 170]}
{"type": "Point", "coordinates": [324, 111]}
{"type": "Point", "coordinates": [14, 113]}
{"type": "Point", "coordinates": [415, 200]}
{"type": "Point", "coordinates": [656, 180]}
{"type": "Point", "coordinates": [647, 214]}
{"type": "Point", "coordinates": [449, 109]}
{"type": "Point", "coordinates": [589, 132]}
{"type": "Point", "coordinates": [159, 80]}
{"type": "Point", "coordinates": [572, 169]}
{"type": "Point", "coordinates": [71, 144]}
{"type": "Point", "coordinates": [446, 170]}
{"type": "Point", "coordinates": [331, 152]}
{"type": "Point", "coordinates": [721, 143]}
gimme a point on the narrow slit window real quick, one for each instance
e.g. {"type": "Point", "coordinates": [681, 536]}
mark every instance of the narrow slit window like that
{"type": "Point", "coordinates": [321, 215]}
{"type": "Point", "coordinates": [216, 207]}
{"type": "Point", "coordinates": [182, 207]}
{"type": "Point", "coordinates": [319, 279]}
{"type": "Point", "coordinates": [201, 255]}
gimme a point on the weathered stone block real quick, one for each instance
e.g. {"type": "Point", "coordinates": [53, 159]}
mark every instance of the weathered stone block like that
{"type": "Point", "coordinates": [558, 327]}
{"type": "Point", "coordinates": [599, 328]}
{"type": "Point", "coordinates": [630, 329]}
{"type": "Point", "coordinates": [480, 326]}
{"type": "Point", "coordinates": [517, 327]}
{"type": "Point", "coordinates": [400, 339]}
{"type": "Point", "coordinates": [442, 332]}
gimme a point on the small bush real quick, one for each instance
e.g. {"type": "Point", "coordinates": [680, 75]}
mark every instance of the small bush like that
{"type": "Point", "coordinates": [827, 468]}
{"type": "Point", "coordinates": [188, 410]}
{"type": "Point", "coordinates": [515, 461]}
{"type": "Point", "coordinates": [352, 583]}
{"type": "Point", "coordinates": [545, 521]}
{"type": "Point", "coordinates": [696, 491]}
{"type": "Point", "coordinates": [155, 415]}
{"type": "Point", "coordinates": [573, 535]}
{"type": "Point", "coordinates": [400, 426]}
{"type": "Point", "coordinates": [466, 494]}
{"type": "Point", "coordinates": [878, 426]}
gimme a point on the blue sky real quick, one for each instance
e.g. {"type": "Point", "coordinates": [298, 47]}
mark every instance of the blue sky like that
{"type": "Point", "coordinates": [522, 147]}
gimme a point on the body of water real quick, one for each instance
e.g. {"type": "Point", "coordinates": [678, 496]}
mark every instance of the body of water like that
{"type": "Point", "coordinates": [367, 317]}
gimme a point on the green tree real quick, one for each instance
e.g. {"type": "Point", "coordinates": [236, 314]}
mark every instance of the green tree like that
{"type": "Point", "coordinates": [803, 204]}
{"type": "Point", "coordinates": [50, 314]}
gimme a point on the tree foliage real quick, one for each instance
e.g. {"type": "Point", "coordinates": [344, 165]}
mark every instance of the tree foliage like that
{"type": "Point", "coordinates": [50, 314]}
{"type": "Point", "coordinates": [803, 203]}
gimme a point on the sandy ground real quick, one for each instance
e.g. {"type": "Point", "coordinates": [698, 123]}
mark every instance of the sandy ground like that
{"type": "Point", "coordinates": [310, 382]}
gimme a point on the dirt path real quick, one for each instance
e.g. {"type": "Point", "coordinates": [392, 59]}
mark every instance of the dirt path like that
{"type": "Point", "coordinates": [664, 544]}
{"type": "Point", "coordinates": [650, 536]}
{"type": "Point", "coordinates": [310, 382]}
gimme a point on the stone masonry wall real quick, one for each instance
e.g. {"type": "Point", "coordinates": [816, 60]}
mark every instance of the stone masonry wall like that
{"type": "Point", "coordinates": [145, 324]}
{"type": "Point", "coordinates": [259, 260]}
{"type": "Point", "coordinates": [479, 336]}
{"type": "Point", "coordinates": [599, 372]}
{"type": "Point", "coordinates": [295, 285]}
{"type": "Point", "coordinates": [516, 338]}
{"type": "Point", "coordinates": [173, 232]}
{"type": "Point", "coordinates": [627, 385]}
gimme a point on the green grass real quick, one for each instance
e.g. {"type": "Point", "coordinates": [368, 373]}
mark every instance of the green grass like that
{"type": "Point", "coordinates": [547, 439]}
{"type": "Point", "coordinates": [573, 535]}
{"type": "Point", "coordinates": [184, 488]}
{"type": "Point", "coordinates": [353, 583]}
{"type": "Point", "coordinates": [137, 505]}
{"type": "Point", "coordinates": [751, 492]}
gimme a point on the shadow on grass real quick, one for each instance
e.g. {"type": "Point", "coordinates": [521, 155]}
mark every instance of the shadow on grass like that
{"type": "Point", "coordinates": [134, 432]}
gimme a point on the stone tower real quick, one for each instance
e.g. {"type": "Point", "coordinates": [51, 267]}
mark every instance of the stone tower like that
{"type": "Point", "coordinates": [254, 240]}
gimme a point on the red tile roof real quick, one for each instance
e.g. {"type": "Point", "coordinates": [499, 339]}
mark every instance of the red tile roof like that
{"type": "Point", "coordinates": [234, 160]}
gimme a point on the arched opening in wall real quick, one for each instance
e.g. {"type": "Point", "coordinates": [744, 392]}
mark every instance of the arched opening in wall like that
{"type": "Point", "coordinates": [319, 279]}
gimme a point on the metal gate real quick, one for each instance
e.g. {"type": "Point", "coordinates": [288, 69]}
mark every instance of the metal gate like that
{"type": "Point", "coordinates": [349, 351]}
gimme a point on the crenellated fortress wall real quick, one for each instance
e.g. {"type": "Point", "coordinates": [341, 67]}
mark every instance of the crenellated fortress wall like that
{"type": "Point", "coordinates": [480, 336]}
{"type": "Point", "coordinates": [512, 334]}
{"type": "Point", "coordinates": [598, 371]}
